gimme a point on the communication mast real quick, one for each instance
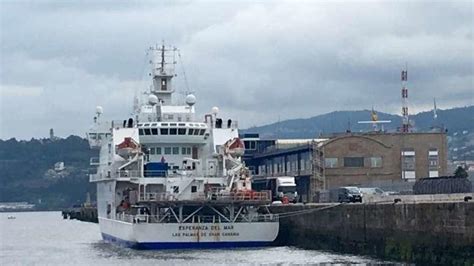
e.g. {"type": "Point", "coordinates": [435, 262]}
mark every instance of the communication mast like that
{"type": "Point", "coordinates": [405, 119]}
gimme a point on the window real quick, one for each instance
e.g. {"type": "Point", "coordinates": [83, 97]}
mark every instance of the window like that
{"type": "Point", "coordinates": [408, 160]}
{"type": "Point", "coordinates": [154, 131]}
{"type": "Point", "coordinates": [330, 162]}
{"type": "Point", "coordinates": [152, 150]}
{"type": "Point", "coordinates": [252, 169]}
{"type": "Point", "coordinates": [191, 131]}
{"type": "Point", "coordinates": [185, 150]}
{"type": "Point", "coordinates": [168, 150]}
{"type": "Point", "coordinates": [196, 132]}
{"type": "Point", "coordinates": [175, 189]}
{"type": "Point", "coordinates": [140, 131]}
{"type": "Point", "coordinates": [202, 132]}
{"type": "Point", "coordinates": [163, 84]}
{"type": "Point", "coordinates": [250, 145]}
{"type": "Point", "coordinates": [375, 162]}
{"type": "Point", "coordinates": [181, 131]}
{"type": "Point", "coordinates": [175, 150]}
{"type": "Point", "coordinates": [433, 159]}
{"type": "Point", "coordinates": [158, 150]}
{"type": "Point", "coordinates": [353, 161]}
{"type": "Point", "coordinates": [147, 131]}
{"type": "Point", "coordinates": [163, 131]}
{"type": "Point", "coordinates": [193, 189]}
{"type": "Point", "coordinates": [173, 131]}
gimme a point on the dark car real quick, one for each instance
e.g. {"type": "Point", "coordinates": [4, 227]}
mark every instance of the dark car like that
{"type": "Point", "coordinates": [346, 194]}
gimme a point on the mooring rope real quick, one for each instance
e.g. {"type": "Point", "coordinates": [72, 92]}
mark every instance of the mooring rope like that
{"type": "Point", "coordinates": [305, 211]}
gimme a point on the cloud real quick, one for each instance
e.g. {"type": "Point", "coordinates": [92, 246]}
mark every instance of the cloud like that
{"type": "Point", "coordinates": [259, 62]}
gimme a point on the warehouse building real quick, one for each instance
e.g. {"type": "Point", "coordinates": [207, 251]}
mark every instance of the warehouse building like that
{"type": "Point", "coordinates": [392, 161]}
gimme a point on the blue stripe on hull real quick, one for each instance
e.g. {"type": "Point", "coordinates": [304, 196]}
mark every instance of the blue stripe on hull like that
{"type": "Point", "coordinates": [183, 245]}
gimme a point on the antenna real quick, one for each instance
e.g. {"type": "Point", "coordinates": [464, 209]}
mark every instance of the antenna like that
{"type": "Point", "coordinates": [435, 115]}
{"type": "Point", "coordinates": [405, 118]}
{"type": "Point", "coordinates": [184, 74]}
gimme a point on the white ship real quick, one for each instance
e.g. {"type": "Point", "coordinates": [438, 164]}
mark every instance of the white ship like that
{"type": "Point", "coordinates": [167, 179]}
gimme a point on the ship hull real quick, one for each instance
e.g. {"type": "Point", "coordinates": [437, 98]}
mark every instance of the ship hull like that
{"type": "Point", "coordinates": [188, 235]}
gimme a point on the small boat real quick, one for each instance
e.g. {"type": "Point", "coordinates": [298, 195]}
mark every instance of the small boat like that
{"type": "Point", "coordinates": [11, 217]}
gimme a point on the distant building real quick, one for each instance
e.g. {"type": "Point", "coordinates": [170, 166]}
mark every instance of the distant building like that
{"type": "Point", "coordinates": [52, 137]}
{"type": "Point", "coordinates": [392, 161]}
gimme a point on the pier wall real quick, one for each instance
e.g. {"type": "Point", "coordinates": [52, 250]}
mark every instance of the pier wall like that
{"type": "Point", "coordinates": [85, 214]}
{"type": "Point", "coordinates": [423, 233]}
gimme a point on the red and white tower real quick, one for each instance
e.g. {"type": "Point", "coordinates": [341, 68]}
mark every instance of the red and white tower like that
{"type": "Point", "coordinates": [405, 119]}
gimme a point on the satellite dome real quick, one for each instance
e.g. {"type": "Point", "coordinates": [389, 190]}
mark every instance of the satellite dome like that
{"type": "Point", "coordinates": [215, 110]}
{"type": "Point", "coordinates": [190, 100]}
{"type": "Point", "coordinates": [99, 110]}
{"type": "Point", "coordinates": [152, 99]}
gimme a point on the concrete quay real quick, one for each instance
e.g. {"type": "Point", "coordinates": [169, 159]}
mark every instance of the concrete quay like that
{"type": "Point", "coordinates": [86, 214]}
{"type": "Point", "coordinates": [431, 233]}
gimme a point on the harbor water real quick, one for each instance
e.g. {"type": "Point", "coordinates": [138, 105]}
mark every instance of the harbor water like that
{"type": "Point", "coordinates": [44, 238]}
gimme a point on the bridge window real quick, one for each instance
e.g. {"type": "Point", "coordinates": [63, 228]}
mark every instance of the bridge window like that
{"type": "Point", "coordinates": [202, 132]}
{"type": "Point", "coordinates": [163, 131]}
{"type": "Point", "coordinates": [140, 131]}
{"type": "Point", "coordinates": [196, 132]}
{"type": "Point", "coordinates": [353, 161]}
{"type": "Point", "coordinates": [154, 131]}
{"type": "Point", "coordinates": [147, 131]}
{"type": "Point", "coordinates": [173, 131]}
{"type": "Point", "coordinates": [181, 131]}
{"type": "Point", "coordinates": [191, 131]}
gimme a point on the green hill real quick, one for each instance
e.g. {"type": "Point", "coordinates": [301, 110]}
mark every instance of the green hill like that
{"type": "Point", "coordinates": [28, 173]}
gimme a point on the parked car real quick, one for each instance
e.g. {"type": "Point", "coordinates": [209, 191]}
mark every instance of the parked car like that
{"type": "Point", "coordinates": [345, 194]}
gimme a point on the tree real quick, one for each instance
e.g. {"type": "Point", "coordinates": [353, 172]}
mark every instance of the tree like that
{"type": "Point", "coordinates": [460, 172]}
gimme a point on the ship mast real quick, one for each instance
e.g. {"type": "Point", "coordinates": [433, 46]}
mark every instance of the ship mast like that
{"type": "Point", "coordinates": [162, 73]}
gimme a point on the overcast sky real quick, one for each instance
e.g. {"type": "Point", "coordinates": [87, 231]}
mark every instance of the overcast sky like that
{"type": "Point", "coordinates": [257, 61]}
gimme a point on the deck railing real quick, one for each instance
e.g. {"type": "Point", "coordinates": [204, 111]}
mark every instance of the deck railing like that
{"type": "Point", "coordinates": [198, 219]}
{"type": "Point", "coordinates": [241, 196]}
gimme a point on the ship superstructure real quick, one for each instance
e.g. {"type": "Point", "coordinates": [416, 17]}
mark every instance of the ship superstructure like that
{"type": "Point", "coordinates": [168, 179]}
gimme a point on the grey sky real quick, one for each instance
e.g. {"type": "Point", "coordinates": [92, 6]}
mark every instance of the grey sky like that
{"type": "Point", "coordinates": [256, 61]}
